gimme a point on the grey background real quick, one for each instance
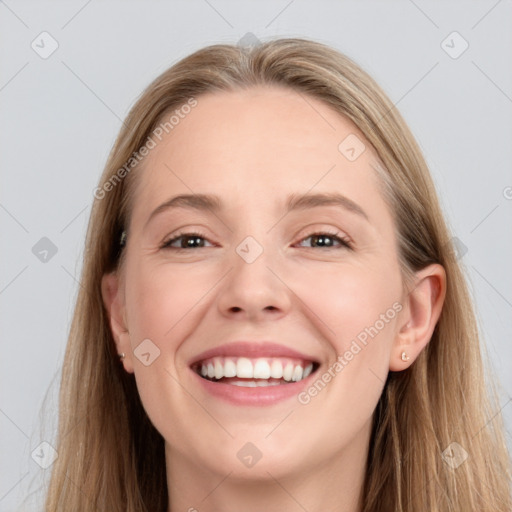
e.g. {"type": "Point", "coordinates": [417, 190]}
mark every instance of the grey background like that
{"type": "Point", "coordinates": [60, 116]}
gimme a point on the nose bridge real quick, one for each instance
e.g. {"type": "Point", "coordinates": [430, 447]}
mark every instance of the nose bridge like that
{"type": "Point", "coordinates": [251, 287]}
{"type": "Point", "coordinates": [251, 265]}
{"type": "Point", "coordinates": [250, 249]}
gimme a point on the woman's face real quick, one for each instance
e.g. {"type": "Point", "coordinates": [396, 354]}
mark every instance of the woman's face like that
{"type": "Point", "coordinates": [294, 264]}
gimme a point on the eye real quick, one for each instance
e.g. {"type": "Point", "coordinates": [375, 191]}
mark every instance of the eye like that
{"type": "Point", "coordinates": [185, 241]}
{"type": "Point", "coordinates": [197, 240]}
{"type": "Point", "coordinates": [328, 240]}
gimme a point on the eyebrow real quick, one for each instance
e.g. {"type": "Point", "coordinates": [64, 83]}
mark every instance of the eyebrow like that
{"type": "Point", "coordinates": [305, 201]}
{"type": "Point", "coordinates": [204, 202]}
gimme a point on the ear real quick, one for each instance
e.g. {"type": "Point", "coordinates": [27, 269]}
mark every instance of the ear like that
{"type": "Point", "coordinates": [113, 298]}
{"type": "Point", "coordinates": [422, 309]}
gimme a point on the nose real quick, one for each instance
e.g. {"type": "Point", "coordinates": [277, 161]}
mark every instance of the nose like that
{"type": "Point", "coordinates": [254, 291]}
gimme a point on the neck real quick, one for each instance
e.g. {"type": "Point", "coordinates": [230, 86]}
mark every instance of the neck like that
{"type": "Point", "coordinates": [335, 484]}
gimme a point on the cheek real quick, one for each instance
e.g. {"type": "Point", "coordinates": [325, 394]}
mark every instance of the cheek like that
{"type": "Point", "coordinates": [360, 306]}
{"type": "Point", "coordinates": [160, 306]}
{"type": "Point", "coordinates": [160, 297]}
{"type": "Point", "coordinates": [357, 311]}
{"type": "Point", "coordinates": [350, 300]}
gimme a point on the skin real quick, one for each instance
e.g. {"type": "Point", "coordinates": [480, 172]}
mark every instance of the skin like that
{"type": "Point", "coordinates": [253, 148]}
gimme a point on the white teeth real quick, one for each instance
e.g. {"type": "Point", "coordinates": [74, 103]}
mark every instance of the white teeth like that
{"type": "Point", "coordinates": [255, 383]}
{"type": "Point", "coordinates": [288, 372]}
{"type": "Point", "coordinates": [307, 370]}
{"type": "Point", "coordinates": [219, 369]}
{"type": "Point", "coordinates": [244, 368]}
{"type": "Point", "coordinates": [261, 369]}
{"type": "Point", "coordinates": [276, 370]}
{"type": "Point", "coordinates": [297, 373]}
{"type": "Point", "coordinates": [247, 384]}
{"type": "Point", "coordinates": [229, 368]}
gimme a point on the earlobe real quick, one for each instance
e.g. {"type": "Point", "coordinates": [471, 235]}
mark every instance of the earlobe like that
{"type": "Point", "coordinates": [424, 304]}
{"type": "Point", "coordinates": [114, 304]}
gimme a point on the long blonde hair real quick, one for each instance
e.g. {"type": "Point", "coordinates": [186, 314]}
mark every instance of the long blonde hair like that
{"type": "Point", "coordinates": [110, 455]}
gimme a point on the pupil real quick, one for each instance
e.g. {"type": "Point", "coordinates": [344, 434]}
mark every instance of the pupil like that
{"type": "Point", "coordinates": [190, 241]}
{"type": "Point", "coordinates": [321, 240]}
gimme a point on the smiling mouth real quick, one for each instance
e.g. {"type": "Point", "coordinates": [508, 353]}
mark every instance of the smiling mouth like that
{"type": "Point", "coordinates": [254, 372]}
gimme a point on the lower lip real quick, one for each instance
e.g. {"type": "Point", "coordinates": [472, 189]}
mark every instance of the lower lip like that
{"type": "Point", "coordinates": [261, 395]}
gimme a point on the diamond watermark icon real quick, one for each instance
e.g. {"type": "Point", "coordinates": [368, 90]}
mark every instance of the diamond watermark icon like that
{"type": "Point", "coordinates": [458, 247]}
{"type": "Point", "coordinates": [147, 352]}
{"type": "Point", "coordinates": [44, 455]}
{"type": "Point", "coordinates": [454, 45]}
{"type": "Point", "coordinates": [249, 40]}
{"type": "Point", "coordinates": [454, 455]}
{"type": "Point", "coordinates": [44, 45]}
{"type": "Point", "coordinates": [249, 455]}
{"type": "Point", "coordinates": [44, 250]}
{"type": "Point", "coordinates": [351, 147]}
{"type": "Point", "coordinates": [249, 249]}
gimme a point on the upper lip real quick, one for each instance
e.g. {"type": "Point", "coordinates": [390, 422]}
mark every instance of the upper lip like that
{"type": "Point", "coordinates": [251, 349]}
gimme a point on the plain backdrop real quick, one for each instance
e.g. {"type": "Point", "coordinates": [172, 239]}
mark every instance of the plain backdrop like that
{"type": "Point", "coordinates": [446, 66]}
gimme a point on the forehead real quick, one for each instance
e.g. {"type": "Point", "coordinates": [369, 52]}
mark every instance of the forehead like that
{"type": "Point", "coordinates": [255, 122]}
{"type": "Point", "coordinates": [258, 144]}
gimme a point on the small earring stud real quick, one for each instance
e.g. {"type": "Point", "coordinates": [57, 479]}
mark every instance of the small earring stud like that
{"type": "Point", "coordinates": [121, 356]}
{"type": "Point", "coordinates": [405, 357]}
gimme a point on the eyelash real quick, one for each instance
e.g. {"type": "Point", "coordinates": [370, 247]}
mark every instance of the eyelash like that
{"type": "Point", "coordinates": [344, 242]}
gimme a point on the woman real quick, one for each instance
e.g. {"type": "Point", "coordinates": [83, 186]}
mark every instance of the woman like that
{"type": "Point", "coordinates": [272, 316]}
